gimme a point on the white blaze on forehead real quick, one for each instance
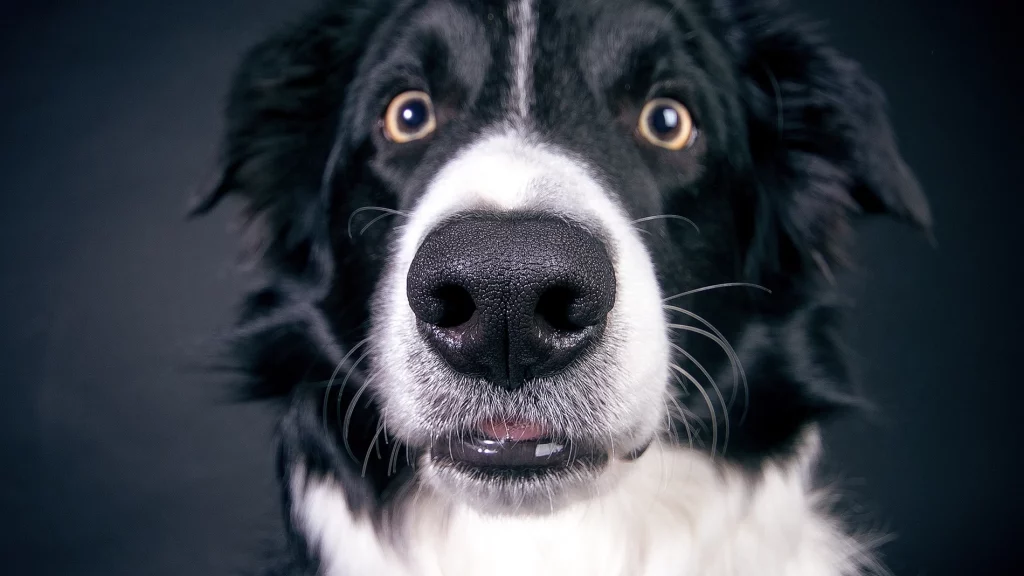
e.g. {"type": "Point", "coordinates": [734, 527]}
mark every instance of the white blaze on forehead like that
{"type": "Point", "coordinates": [524, 32]}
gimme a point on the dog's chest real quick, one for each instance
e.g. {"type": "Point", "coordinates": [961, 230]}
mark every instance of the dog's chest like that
{"type": "Point", "coordinates": [673, 515]}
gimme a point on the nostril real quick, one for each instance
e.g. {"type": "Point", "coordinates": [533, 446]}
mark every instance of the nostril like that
{"type": "Point", "coordinates": [556, 308]}
{"type": "Point", "coordinates": [456, 305]}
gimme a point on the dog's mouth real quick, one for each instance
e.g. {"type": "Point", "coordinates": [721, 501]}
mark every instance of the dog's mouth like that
{"type": "Point", "coordinates": [506, 449]}
{"type": "Point", "coordinates": [517, 466]}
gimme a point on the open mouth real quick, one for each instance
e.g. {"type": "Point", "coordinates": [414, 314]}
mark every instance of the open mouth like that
{"type": "Point", "coordinates": [514, 448]}
{"type": "Point", "coordinates": [519, 467]}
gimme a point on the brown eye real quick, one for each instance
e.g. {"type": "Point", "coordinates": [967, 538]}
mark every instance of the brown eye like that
{"type": "Point", "coordinates": [410, 116]}
{"type": "Point", "coordinates": [666, 123]}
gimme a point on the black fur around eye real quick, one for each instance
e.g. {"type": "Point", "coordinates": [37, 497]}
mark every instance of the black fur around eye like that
{"type": "Point", "coordinates": [666, 123]}
{"type": "Point", "coordinates": [410, 116]}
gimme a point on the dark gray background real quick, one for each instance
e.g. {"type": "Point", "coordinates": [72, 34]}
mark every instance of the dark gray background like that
{"type": "Point", "coordinates": [119, 459]}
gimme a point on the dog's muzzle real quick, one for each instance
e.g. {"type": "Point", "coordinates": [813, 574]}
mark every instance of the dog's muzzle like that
{"type": "Point", "coordinates": [508, 299]}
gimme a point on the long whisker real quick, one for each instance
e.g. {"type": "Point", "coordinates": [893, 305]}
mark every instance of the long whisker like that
{"type": "Point", "coordinates": [334, 375]}
{"type": "Point", "coordinates": [372, 222]}
{"type": "Point", "coordinates": [734, 359]}
{"type": "Point", "coordinates": [707, 399]}
{"type": "Point", "coordinates": [348, 415]}
{"type": "Point", "coordinates": [682, 384]}
{"type": "Point", "coordinates": [682, 418]}
{"type": "Point", "coordinates": [670, 429]}
{"type": "Point", "coordinates": [386, 211]}
{"type": "Point", "coordinates": [344, 383]}
{"type": "Point", "coordinates": [686, 389]}
{"type": "Point", "coordinates": [384, 423]}
{"type": "Point", "coordinates": [393, 458]}
{"type": "Point", "coordinates": [716, 287]}
{"type": "Point", "coordinates": [725, 346]}
{"type": "Point", "coordinates": [369, 450]}
{"type": "Point", "coordinates": [668, 217]}
{"type": "Point", "coordinates": [718, 392]}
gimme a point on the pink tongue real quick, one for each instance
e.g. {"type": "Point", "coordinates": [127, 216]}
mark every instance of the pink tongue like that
{"type": "Point", "coordinates": [515, 431]}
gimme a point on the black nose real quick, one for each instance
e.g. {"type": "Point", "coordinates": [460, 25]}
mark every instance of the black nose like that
{"type": "Point", "coordinates": [511, 297]}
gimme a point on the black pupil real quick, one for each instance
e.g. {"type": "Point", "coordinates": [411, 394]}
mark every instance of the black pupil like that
{"type": "Point", "coordinates": [414, 114]}
{"type": "Point", "coordinates": [664, 120]}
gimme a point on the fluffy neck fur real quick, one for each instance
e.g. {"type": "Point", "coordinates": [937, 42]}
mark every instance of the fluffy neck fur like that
{"type": "Point", "coordinates": [673, 512]}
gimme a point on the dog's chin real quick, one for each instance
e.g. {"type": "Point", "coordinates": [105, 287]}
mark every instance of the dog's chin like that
{"type": "Point", "coordinates": [532, 476]}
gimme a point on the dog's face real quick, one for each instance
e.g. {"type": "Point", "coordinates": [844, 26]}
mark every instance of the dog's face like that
{"type": "Point", "coordinates": [551, 173]}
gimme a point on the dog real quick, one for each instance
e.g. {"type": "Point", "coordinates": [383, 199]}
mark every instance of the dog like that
{"type": "Point", "coordinates": [548, 287]}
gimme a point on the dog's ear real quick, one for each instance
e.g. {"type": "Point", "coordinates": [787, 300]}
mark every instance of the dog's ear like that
{"type": "Point", "coordinates": [282, 116]}
{"type": "Point", "coordinates": [821, 143]}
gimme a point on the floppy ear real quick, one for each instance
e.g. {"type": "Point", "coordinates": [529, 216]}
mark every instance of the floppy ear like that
{"type": "Point", "coordinates": [281, 119]}
{"type": "Point", "coordinates": [821, 143]}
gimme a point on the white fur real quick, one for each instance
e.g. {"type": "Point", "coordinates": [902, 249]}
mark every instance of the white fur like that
{"type": "Point", "coordinates": [673, 514]}
{"type": "Point", "coordinates": [508, 172]}
{"type": "Point", "coordinates": [522, 20]}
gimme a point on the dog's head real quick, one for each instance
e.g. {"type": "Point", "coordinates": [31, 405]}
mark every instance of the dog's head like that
{"type": "Point", "coordinates": [519, 239]}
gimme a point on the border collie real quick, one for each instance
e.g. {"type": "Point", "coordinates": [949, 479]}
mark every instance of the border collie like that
{"type": "Point", "coordinates": [547, 286]}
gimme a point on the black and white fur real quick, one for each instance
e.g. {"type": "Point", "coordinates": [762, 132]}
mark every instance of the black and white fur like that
{"type": "Point", "coordinates": [537, 101]}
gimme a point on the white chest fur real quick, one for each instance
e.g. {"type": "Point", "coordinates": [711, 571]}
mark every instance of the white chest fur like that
{"type": "Point", "coordinates": [672, 514]}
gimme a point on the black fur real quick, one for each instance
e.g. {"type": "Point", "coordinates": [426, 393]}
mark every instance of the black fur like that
{"type": "Point", "coordinates": [795, 144]}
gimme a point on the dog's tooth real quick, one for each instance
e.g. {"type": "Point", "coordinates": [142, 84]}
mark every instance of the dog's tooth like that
{"type": "Point", "coordinates": [545, 450]}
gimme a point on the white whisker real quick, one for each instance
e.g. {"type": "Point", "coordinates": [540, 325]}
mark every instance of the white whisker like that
{"type": "Point", "coordinates": [369, 450]}
{"type": "Point", "coordinates": [386, 212]}
{"type": "Point", "coordinates": [668, 217]}
{"type": "Point", "coordinates": [682, 418]}
{"type": "Point", "coordinates": [393, 458]}
{"type": "Point", "coordinates": [334, 375]}
{"type": "Point", "coordinates": [707, 399]}
{"type": "Point", "coordinates": [734, 358]}
{"type": "Point", "coordinates": [348, 415]}
{"type": "Point", "coordinates": [718, 392]}
{"type": "Point", "coordinates": [716, 287]}
{"type": "Point", "coordinates": [344, 383]}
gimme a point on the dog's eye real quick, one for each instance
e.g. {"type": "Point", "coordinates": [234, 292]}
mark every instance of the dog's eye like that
{"type": "Point", "coordinates": [666, 123]}
{"type": "Point", "coordinates": [410, 116]}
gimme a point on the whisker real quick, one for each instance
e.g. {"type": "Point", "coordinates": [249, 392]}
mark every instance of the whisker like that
{"type": "Point", "coordinates": [392, 460]}
{"type": "Point", "coordinates": [707, 399]}
{"type": "Point", "coordinates": [372, 222]}
{"type": "Point", "coordinates": [734, 359]}
{"type": "Point", "coordinates": [725, 346]}
{"type": "Point", "coordinates": [369, 450]}
{"type": "Point", "coordinates": [386, 211]}
{"type": "Point", "coordinates": [682, 384]}
{"type": "Point", "coordinates": [669, 428]}
{"type": "Point", "coordinates": [348, 415]}
{"type": "Point", "coordinates": [344, 383]}
{"type": "Point", "coordinates": [716, 287]}
{"type": "Point", "coordinates": [682, 418]}
{"type": "Point", "coordinates": [668, 217]}
{"type": "Point", "coordinates": [384, 422]}
{"type": "Point", "coordinates": [334, 375]}
{"type": "Point", "coordinates": [718, 392]}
